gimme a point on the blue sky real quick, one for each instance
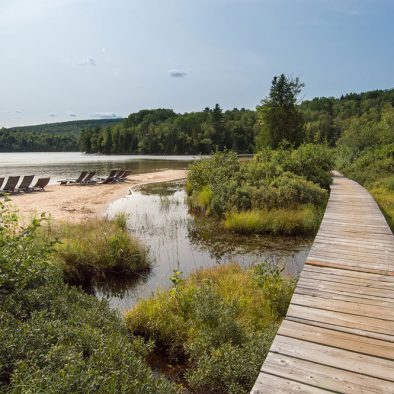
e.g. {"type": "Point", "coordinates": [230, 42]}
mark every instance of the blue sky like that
{"type": "Point", "coordinates": [79, 59]}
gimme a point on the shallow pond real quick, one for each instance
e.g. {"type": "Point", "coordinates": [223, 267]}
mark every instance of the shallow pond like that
{"type": "Point", "coordinates": [158, 215]}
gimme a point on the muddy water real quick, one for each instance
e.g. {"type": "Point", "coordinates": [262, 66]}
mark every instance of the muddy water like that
{"type": "Point", "coordinates": [159, 216]}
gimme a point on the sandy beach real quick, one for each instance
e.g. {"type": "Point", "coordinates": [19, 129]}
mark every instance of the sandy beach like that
{"type": "Point", "coordinates": [76, 202]}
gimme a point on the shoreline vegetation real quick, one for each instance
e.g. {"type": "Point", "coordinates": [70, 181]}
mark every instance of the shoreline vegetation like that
{"type": "Point", "coordinates": [281, 191]}
{"type": "Point", "coordinates": [96, 247]}
{"type": "Point", "coordinates": [214, 328]}
{"type": "Point", "coordinates": [54, 337]}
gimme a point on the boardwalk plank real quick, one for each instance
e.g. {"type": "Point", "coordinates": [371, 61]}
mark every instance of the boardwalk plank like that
{"type": "Point", "coordinates": [353, 308]}
{"type": "Point", "coordinates": [339, 339]}
{"type": "Point", "coordinates": [323, 376]}
{"type": "Point", "coordinates": [269, 384]}
{"type": "Point", "coordinates": [334, 357]}
{"type": "Point", "coordinates": [342, 319]}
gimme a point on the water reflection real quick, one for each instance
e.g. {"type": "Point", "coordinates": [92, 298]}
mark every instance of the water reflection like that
{"type": "Point", "coordinates": [158, 214]}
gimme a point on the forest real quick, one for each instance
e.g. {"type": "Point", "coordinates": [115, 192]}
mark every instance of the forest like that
{"type": "Point", "coordinates": [50, 137]}
{"type": "Point", "coordinates": [162, 131]}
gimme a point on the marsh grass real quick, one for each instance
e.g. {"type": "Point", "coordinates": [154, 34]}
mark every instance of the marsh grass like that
{"type": "Point", "coordinates": [202, 200]}
{"type": "Point", "coordinates": [96, 247]}
{"type": "Point", "coordinates": [292, 221]}
{"type": "Point", "coordinates": [383, 193]}
{"type": "Point", "coordinates": [218, 325]}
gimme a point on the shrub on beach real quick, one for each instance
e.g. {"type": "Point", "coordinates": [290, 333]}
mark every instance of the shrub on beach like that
{"type": "Point", "coordinates": [97, 246]}
{"type": "Point", "coordinates": [55, 338]}
{"type": "Point", "coordinates": [219, 324]}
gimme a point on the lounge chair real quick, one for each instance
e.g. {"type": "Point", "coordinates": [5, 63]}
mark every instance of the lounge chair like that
{"type": "Point", "coordinates": [1, 182]}
{"type": "Point", "coordinates": [116, 174]}
{"type": "Point", "coordinates": [74, 180]}
{"type": "Point", "coordinates": [89, 178]}
{"type": "Point", "coordinates": [111, 175]}
{"type": "Point", "coordinates": [40, 184]}
{"type": "Point", "coordinates": [26, 182]}
{"type": "Point", "coordinates": [11, 183]}
{"type": "Point", "coordinates": [124, 176]}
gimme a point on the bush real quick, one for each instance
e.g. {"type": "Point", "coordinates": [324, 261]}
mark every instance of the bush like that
{"type": "Point", "coordinates": [288, 191]}
{"type": "Point", "coordinates": [273, 179]}
{"type": "Point", "coordinates": [97, 247]}
{"type": "Point", "coordinates": [219, 323]}
{"type": "Point", "coordinates": [54, 338]}
{"type": "Point", "coordinates": [303, 220]}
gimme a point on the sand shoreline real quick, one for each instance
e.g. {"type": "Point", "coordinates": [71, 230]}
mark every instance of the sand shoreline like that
{"type": "Point", "coordinates": [76, 203]}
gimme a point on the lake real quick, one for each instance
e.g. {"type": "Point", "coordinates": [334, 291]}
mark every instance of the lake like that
{"type": "Point", "coordinates": [60, 165]}
{"type": "Point", "coordinates": [177, 240]}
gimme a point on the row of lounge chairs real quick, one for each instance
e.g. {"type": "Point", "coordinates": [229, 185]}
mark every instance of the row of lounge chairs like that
{"type": "Point", "coordinates": [89, 178]}
{"type": "Point", "coordinates": [11, 185]}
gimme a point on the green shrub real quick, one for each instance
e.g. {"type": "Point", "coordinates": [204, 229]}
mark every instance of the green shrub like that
{"type": "Point", "coordinates": [219, 323]}
{"type": "Point", "coordinates": [97, 247]}
{"type": "Point", "coordinates": [273, 179]}
{"type": "Point", "coordinates": [287, 191]}
{"type": "Point", "coordinates": [302, 220]}
{"type": "Point", "coordinates": [314, 162]}
{"type": "Point", "coordinates": [55, 338]}
{"type": "Point", "coordinates": [202, 200]}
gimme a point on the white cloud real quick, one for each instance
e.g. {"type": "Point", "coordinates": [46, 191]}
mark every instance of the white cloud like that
{"type": "Point", "coordinates": [71, 114]}
{"type": "Point", "coordinates": [89, 61]}
{"type": "Point", "coordinates": [177, 73]}
{"type": "Point", "coordinates": [51, 115]}
{"type": "Point", "coordinates": [104, 115]}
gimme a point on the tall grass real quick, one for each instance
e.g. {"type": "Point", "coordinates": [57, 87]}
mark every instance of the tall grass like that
{"type": "Point", "coordinates": [295, 221]}
{"type": "Point", "coordinates": [218, 324]}
{"type": "Point", "coordinates": [383, 192]}
{"type": "Point", "coordinates": [97, 246]}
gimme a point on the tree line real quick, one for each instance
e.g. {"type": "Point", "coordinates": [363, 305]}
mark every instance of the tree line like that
{"type": "Point", "coordinates": [49, 137]}
{"type": "Point", "coordinates": [280, 120]}
{"type": "Point", "coordinates": [22, 141]}
{"type": "Point", "coordinates": [162, 131]}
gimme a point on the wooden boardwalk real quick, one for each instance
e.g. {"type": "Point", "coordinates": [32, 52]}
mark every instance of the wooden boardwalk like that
{"type": "Point", "coordinates": [338, 335]}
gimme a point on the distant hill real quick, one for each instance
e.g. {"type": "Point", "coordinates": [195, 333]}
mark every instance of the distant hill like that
{"type": "Point", "coordinates": [49, 137]}
{"type": "Point", "coordinates": [74, 126]}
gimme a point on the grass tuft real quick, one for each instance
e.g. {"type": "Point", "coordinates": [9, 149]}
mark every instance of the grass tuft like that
{"type": "Point", "coordinates": [296, 221]}
{"type": "Point", "coordinates": [97, 247]}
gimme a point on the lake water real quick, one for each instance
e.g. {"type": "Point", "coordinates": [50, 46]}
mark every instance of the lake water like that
{"type": "Point", "coordinates": [158, 215]}
{"type": "Point", "coordinates": [60, 165]}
